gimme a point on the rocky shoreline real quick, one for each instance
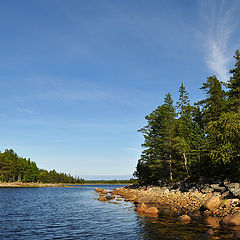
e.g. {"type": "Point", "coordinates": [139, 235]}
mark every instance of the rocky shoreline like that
{"type": "Point", "coordinates": [219, 200]}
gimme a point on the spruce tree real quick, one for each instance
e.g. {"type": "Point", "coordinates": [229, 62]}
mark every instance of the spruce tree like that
{"type": "Point", "coordinates": [170, 115]}
{"type": "Point", "coordinates": [182, 142]}
{"type": "Point", "coordinates": [212, 107]}
{"type": "Point", "coordinates": [234, 86]}
{"type": "Point", "coordinates": [156, 158]}
{"type": "Point", "coordinates": [214, 104]}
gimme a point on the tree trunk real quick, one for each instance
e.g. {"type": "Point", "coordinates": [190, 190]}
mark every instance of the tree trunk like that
{"type": "Point", "coordinates": [185, 163]}
{"type": "Point", "coordinates": [199, 159]}
{"type": "Point", "coordinates": [170, 154]}
{"type": "Point", "coordinates": [19, 178]}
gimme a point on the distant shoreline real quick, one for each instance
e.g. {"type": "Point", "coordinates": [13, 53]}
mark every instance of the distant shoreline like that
{"type": "Point", "coordinates": [22, 184]}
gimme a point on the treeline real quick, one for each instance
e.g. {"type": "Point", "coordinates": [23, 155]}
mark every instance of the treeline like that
{"type": "Point", "coordinates": [194, 141]}
{"type": "Point", "coordinates": [14, 168]}
{"type": "Point", "coordinates": [130, 181]}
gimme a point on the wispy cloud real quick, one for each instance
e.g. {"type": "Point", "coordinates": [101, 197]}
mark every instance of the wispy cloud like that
{"type": "Point", "coordinates": [25, 110]}
{"type": "Point", "coordinates": [73, 95]}
{"type": "Point", "coordinates": [217, 26]}
{"type": "Point", "coordinates": [82, 91]}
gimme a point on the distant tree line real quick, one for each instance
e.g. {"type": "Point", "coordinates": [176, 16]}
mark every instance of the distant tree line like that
{"type": "Point", "coordinates": [194, 141]}
{"type": "Point", "coordinates": [14, 168]}
{"type": "Point", "coordinates": [130, 181]}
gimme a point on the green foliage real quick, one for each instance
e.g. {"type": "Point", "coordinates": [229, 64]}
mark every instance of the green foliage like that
{"type": "Point", "coordinates": [214, 104]}
{"type": "Point", "coordinates": [199, 141]}
{"type": "Point", "coordinates": [226, 133]}
{"type": "Point", "coordinates": [156, 158]}
{"type": "Point", "coordinates": [234, 86]}
{"type": "Point", "coordinates": [14, 168]}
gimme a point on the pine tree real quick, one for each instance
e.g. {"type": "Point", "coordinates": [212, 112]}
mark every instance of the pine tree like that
{"type": "Point", "coordinates": [182, 142]}
{"type": "Point", "coordinates": [152, 165]}
{"type": "Point", "coordinates": [158, 135]}
{"type": "Point", "coordinates": [170, 115]}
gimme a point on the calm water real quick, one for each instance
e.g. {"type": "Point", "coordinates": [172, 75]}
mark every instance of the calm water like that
{"type": "Point", "coordinates": [74, 213]}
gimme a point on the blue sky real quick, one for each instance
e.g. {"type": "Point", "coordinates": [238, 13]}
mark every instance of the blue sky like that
{"type": "Point", "coordinates": [78, 77]}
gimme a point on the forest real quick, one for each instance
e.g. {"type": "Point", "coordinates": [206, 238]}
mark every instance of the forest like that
{"type": "Point", "coordinates": [14, 168]}
{"type": "Point", "coordinates": [194, 141]}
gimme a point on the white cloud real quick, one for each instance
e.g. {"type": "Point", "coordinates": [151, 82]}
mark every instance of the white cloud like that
{"type": "Point", "coordinates": [218, 24]}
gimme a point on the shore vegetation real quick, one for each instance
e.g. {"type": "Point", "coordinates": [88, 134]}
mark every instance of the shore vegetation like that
{"type": "Point", "coordinates": [18, 169]}
{"type": "Point", "coordinates": [200, 140]}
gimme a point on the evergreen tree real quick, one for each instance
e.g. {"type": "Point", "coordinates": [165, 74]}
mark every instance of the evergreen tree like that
{"type": "Point", "coordinates": [214, 104]}
{"type": "Point", "coordinates": [234, 86]}
{"type": "Point", "coordinates": [170, 115]}
{"type": "Point", "coordinates": [156, 158]}
{"type": "Point", "coordinates": [14, 168]}
{"type": "Point", "coordinates": [201, 141]}
{"type": "Point", "coordinates": [213, 107]}
{"type": "Point", "coordinates": [183, 100]}
{"type": "Point", "coordinates": [198, 141]}
{"type": "Point", "coordinates": [182, 141]}
{"type": "Point", "coordinates": [152, 165]}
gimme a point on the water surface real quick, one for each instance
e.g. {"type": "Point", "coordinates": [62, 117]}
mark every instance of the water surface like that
{"type": "Point", "coordinates": [74, 213]}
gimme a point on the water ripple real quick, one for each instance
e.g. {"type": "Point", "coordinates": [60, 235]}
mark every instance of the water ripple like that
{"type": "Point", "coordinates": [74, 213]}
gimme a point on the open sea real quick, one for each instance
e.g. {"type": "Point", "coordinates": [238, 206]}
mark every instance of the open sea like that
{"type": "Point", "coordinates": [75, 213]}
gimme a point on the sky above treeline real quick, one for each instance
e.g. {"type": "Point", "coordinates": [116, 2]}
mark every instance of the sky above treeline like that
{"type": "Point", "coordinates": [78, 77]}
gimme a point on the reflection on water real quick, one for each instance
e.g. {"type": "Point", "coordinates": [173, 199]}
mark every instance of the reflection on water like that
{"type": "Point", "coordinates": [74, 213]}
{"type": "Point", "coordinates": [165, 226]}
{"type": "Point", "coordinates": [212, 221]}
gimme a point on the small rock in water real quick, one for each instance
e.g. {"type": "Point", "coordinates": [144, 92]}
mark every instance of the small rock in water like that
{"type": "Point", "coordinates": [99, 190]}
{"type": "Point", "coordinates": [102, 199]}
{"type": "Point", "coordinates": [151, 210]}
{"type": "Point", "coordinates": [234, 220]}
{"type": "Point", "coordinates": [226, 220]}
{"type": "Point", "coordinates": [184, 218]}
{"type": "Point", "coordinates": [142, 207]}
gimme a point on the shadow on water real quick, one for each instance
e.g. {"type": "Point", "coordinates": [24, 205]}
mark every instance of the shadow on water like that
{"type": "Point", "coordinates": [166, 227]}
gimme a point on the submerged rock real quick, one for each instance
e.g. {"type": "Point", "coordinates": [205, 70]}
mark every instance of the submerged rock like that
{"type": "Point", "coordinates": [234, 219]}
{"type": "Point", "coordinates": [207, 234]}
{"type": "Point", "coordinates": [225, 220]}
{"type": "Point", "coordinates": [212, 221]}
{"type": "Point", "coordinates": [184, 218]}
{"type": "Point", "coordinates": [236, 236]}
